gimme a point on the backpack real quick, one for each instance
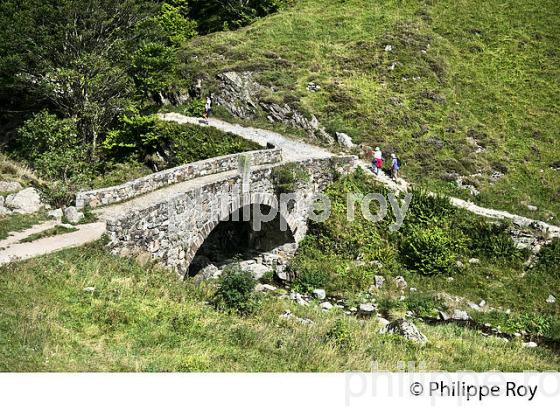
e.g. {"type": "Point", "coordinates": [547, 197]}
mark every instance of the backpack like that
{"type": "Point", "coordinates": [399, 162]}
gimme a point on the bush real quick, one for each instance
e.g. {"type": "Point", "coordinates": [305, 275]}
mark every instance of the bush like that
{"type": "Point", "coordinates": [429, 250]}
{"type": "Point", "coordinates": [549, 259]}
{"type": "Point", "coordinates": [491, 240]}
{"type": "Point", "coordinates": [143, 136]}
{"type": "Point", "coordinates": [235, 291]}
{"type": "Point", "coordinates": [428, 209]}
{"type": "Point", "coordinates": [51, 145]}
{"type": "Point", "coordinates": [286, 178]}
{"type": "Point", "coordinates": [341, 335]}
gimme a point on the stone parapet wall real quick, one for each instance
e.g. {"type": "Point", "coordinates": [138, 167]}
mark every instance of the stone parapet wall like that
{"type": "Point", "coordinates": [152, 182]}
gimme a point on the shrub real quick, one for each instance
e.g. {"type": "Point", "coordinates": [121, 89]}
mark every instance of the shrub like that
{"type": "Point", "coordinates": [143, 136]}
{"type": "Point", "coordinates": [549, 259]}
{"type": "Point", "coordinates": [341, 335]}
{"type": "Point", "coordinates": [429, 250]}
{"type": "Point", "coordinates": [52, 147]}
{"type": "Point", "coordinates": [235, 291]}
{"type": "Point", "coordinates": [426, 209]}
{"type": "Point", "coordinates": [286, 178]}
{"type": "Point", "coordinates": [491, 240]}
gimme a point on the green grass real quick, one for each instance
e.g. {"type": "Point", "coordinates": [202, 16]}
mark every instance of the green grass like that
{"type": "Point", "coordinates": [143, 319]}
{"type": "Point", "coordinates": [57, 230]}
{"type": "Point", "coordinates": [463, 69]}
{"type": "Point", "coordinates": [17, 222]}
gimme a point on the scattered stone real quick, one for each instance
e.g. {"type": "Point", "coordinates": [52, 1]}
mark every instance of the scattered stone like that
{"type": "Point", "coordinates": [460, 264]}
{"type": "Point", "coordinates": [443, 316]}
{"type": "Point", "coordinates": [366, 308]}
{"type": "Point", "coordinates": [89, 289]}
{"type": "Point", "coordinates": [532, 208]}
{"type": "Point", "coordinates": [530, 344]}
{"type": "Point", "coordinates": [406, 329]}
{"type": "Point", "coordinates": [460, 315]}
{"type": "Point", "coordinates": [413, 289]}
{"type": "Point", "coordinates": [56, 214]}
{"type": "Point", "coordinates": [257, 270]}
{"type": "Point", "coordinates": [10, 186]}
{"type": "Point", "coordinates": [259, 287]}
{"type": "Point", "coordinates": [319, 294]}
{"type": "Point", "coordinates": [379, 281]}
{"type": "Point", "coordinates": [287, 314]}
{"type": "Point", "coordinates": [72, 215]}
{"type": "Point", "coordinates": [550, 299]}
{"type": "Point", "coordinates": [311, 86]}
{"type": "Point", "coordinates": [473, 306]}
{"type": "Point", "coordinates": [344, 140]}
{"type": "Point", "coordinates": [305, 321]}
{"type": "Point", "coordinates": [388, 47]}
{"type": "Point", "coordinates": [450, 279]}
{"type": "Point", "coordinates": [474, 261]}
{"type": "Point", "coordinates": [27, 201]}
{"type": "Point", "coordinates": [400, 282]}
{"type": "Point", "coordinates": [282, 273]}
{"type": "Point", "coordinates": [382, 321]}
{"type": "Point", "coordinates": [206, 273]}
{"type": "Point", "coordinates": [482, 303]}
{"type": "Point", "coordinates": [298, 298]}
{"type": "Point", "coordinates": [4, 211]}
{"type": "Point", "coordinates": [326, 305]}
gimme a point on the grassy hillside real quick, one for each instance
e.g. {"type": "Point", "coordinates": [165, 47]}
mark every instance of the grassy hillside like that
{"type": "Point", "coordinates": [458, 76]}
{"type": "Point", "coordinates": [143, 319]}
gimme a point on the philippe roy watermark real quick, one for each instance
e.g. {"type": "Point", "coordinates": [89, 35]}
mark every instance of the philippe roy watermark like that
{"type": "Point", "coordinates": [261, 208]}
{"type": "Point", "coordinates": [411, 381]}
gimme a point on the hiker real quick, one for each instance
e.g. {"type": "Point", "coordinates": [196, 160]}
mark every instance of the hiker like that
{"type": "Point", "coordinates": [377, 163]}
{"type": "Point", "coordinates": [395, 165]}
{"type": "Point", "coordinates": [208, 108]}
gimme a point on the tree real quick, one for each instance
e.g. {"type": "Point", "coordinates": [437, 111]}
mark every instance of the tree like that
{"type": "Point", "coordinates": [73, 56]}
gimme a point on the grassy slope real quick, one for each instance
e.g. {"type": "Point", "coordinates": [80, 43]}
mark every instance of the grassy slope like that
{"type": "Point", "coordinates": [142, 319]}
{"type": "Point", "coordinates": [488, 70]}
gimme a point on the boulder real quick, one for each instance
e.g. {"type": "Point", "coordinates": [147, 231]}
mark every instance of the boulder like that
{"type": "Point", "coordinates": [366, 309]}
{"type": "Point", "coordinates": [400, 282]}
{"type": "Point", "coordinates": [72, 215]}
{"type": "Point", "coordinates": [474, 261]}
{"type": "Point", "coordinates": [319, 294]}
{"type": "Point", "coordinates": [56, 214]}
{"type": "Point", "coordinates": [27, 201]}
{"type": "Point", "coordinates": [264, 288]}
{"type": "Point", "coordinates": [206, 273]}
{"type": "Point", "coordinates": [407, 330]}
{"type": "Point", "coordinates": [443, 316]}
{"type": "Point", "coordinates": [460, 315]}
{"type": "Point", "coordinates": [530, 344]}
{"type": "Point", "coordinates": [10, 186]}
{"type": "Point", "coordinates": [257, 270]}
{"type": "Point", "coordinates": [344, 140]}
{"type": "Point", "coordinates": [326, 305]}
{"type": "Point", "coordinates": [379, 281]}
{"type": "Point", "coordinates": [4, 211]}
{"type": "Point", "coordinates": [550, 299]}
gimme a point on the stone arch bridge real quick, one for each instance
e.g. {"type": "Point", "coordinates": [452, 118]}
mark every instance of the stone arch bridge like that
{"type": "Point", "coordinates": [169, 215]}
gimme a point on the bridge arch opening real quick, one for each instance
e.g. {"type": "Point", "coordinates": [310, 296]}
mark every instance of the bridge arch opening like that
{"type": "Point", "coordinates": [238, 238]}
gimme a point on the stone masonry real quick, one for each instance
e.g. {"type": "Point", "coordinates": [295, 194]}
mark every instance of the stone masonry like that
{"type": "Point", "coordinates": [173, 229]}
